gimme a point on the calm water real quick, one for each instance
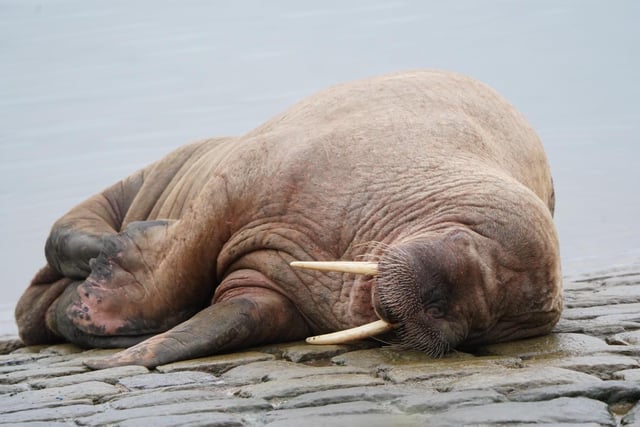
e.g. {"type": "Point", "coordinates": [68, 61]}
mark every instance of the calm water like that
{"type": "Point", "coordinates": [92, 90]}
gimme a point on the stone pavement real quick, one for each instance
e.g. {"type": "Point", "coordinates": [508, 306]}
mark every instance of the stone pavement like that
{"type": "Point", "coordinates": [587, 373]}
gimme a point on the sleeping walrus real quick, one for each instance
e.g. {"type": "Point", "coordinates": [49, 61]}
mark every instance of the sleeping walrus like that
{"type": "Point", "coordinates": [434, 186]}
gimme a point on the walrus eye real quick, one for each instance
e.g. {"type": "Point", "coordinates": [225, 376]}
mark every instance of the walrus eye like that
{"type": "Point", "coordinates": [435, 312]}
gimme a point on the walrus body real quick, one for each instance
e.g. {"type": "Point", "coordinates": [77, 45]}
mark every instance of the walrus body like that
{"type": "Point", "coordinates": [429, 174]}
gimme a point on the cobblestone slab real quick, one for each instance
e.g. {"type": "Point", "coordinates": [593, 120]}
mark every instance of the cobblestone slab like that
{"type": "Point", "coordinates": [166, 396]}
{"type": "Point", "coordinates": [57, 396]}
{"type": "Point", "coordinates": [430, 402]}
{"type": "Point", "coordinates": [354, 420]}
{"type": "Point", "coordinates": [156, 380]}
{"type": "Point", "coordinates": [297, 386]}
{"type": "Point", "coordinates": [300, 352]}
{"type": "Point", "coordinates": [354, 394]}
{"type": "Point", "coordinates": [181, 408]}
{"type": "Point", "coordinates": [632, 375]}
{"type": "Point", "coordinates": [586, 373]}
{"type": "Point", "coordinates": [60, 413]}
{"type": "Point", "coordinates": [448, 369]}
{"type": "Point", "coordinates": [579, 411]}
{"type": "Point", "coordinates": [111, 376]}
{"type": "Point", "coordinates": [206, 419]}
{"type": "Point", "coordinates": [332, 410]}
{"type": "Point", "coordinates": [632, 418]}
{"type": "Point", "coordinates": [514, 379]}
{"type": "Point", "coordinates": [40, 373]}
{"type": "Point", "coordinates": [216, 364]}
{"type": "Point", "coordinates": [606, 391]}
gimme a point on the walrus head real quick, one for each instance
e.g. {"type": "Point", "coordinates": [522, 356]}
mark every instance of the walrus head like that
{"type": "Point", "coordinates": [432, 293]}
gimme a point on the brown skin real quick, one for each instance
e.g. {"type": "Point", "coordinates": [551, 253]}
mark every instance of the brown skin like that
{"type": "Point", "coordinates": [429, 173]}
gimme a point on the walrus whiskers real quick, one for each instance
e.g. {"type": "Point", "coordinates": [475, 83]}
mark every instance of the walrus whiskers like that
{"type": "Point", "coordinates": [357, 267]}
{"type": "Point", "coordinates": [359, 332]}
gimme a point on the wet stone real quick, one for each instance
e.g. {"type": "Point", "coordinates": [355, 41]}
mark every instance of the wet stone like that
{"type": "Point", "coordinates": [216, 364]}
{"type": "Point", "coordinates": [298, 386]}
{"type": "Point", "coordinates": [6, 369]}
{"type": "Point", "coordinates": [32, 349]}
{"type": "Point", "coordinates": [163, 397]}
{"type": "Point", "coordinates": [514, 379]}
{"type": "Point", "coordinates": [18, 359]}
{"type": "Point", "coordinates": [281, 370]}
{"type": "Point", "coordinates": [632, 418]}
{"type": "Point", "coordinates": [206, 419]}
{"type": "Point", "coordinates": [303, 371]}
{"type": "Point", "coordinates": [155, 380]}
{"type": "Point", "coordinates": [353, 394]}
{"type": "Point", "coordinates": [61, 350]}
{"type": "Point", "coordinates": [607, 391]}
{"type": "Point", "coordinates": [89, 391]}
{"type": "Point", "coordinates": [305, 352]}
{"type": "Point", "coordinates": [565, 344]}
{"type": "Point", "coordinates": [46, 404]}
{"type": "Point", "coordinates": [256, 372]}
{"type": "Point", "coordinates": [628, 375]}
{"type": "Point", "coordinates": [110, 376]}
{"type": "Point", "coordinates": [629, 311]}
{"type": "Point", "coordinates": [7, 345]}
{"type": "Point", "coordinates": [602, 366]}
{"type": "Point", "coordinates": [353, 420]}
{"type": "Point", "coordinates": [333, 410]}
{"type": "Point", "coordinates": [44, 424]}
{"type": "Point", "coordinates": [599, 327]}
{"type": "Point", "coordinates": [79, 359]}
{"type": "Point", "coordinates": [375, 359]}
{"type": "Point", "coordinates": [40, 373]}
{"type": "Point", "coordinates": [623, 293]}
{"type": "Point", "coordinates": [220, 405]}
{"type": "Point", "coordinates": [13, 388]}
{"type": "Point", "coordinates": [449, 369]}
{"type": "Point", "coordinates": [289, 350]}
{"type": "Point", "coordinates": [437, 402]}
{"type": "Point", "coordinates": [50, 414]}
{"type": "Point", "coordinates": [576, 411]}
{"type": "Point", "coordinates": [625, 338]}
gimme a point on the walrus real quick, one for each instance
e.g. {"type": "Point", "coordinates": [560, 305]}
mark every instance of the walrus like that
{"type": "Point", "coordinates": [419, 203]}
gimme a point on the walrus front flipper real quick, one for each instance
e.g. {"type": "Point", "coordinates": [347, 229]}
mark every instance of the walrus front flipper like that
{"type": "Point", "coordinates": [255, 316]}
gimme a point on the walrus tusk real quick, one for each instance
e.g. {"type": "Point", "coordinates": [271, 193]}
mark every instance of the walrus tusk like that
{"type": "Point", "coordinates": [353, 334]}
{"type": "Point", "coordinates": [358, 267]}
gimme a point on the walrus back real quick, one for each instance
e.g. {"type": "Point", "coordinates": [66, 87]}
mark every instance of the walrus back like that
{"type": "Point", "coordinates": [418, 118]}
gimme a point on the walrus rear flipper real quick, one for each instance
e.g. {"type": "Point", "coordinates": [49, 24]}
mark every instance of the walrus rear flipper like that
{"type": "Point", "coordinates": [255, 316]}
{"type": "Point", "coordinates": [32, 307]}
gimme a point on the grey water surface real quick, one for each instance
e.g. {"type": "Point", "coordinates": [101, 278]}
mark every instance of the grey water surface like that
{"type": "Point", "coordinates": [92, 90]}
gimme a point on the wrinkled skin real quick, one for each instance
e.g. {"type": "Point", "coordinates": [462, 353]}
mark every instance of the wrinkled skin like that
{"type": "Point", "coordinates": [429, 173]}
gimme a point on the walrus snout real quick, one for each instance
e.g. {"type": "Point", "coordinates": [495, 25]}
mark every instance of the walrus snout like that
{"type": "Point", "coordinates": [413, 291]}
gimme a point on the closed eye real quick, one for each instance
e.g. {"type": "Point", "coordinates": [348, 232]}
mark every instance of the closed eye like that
{"type": "Point", "coordinates": [435, 311]}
